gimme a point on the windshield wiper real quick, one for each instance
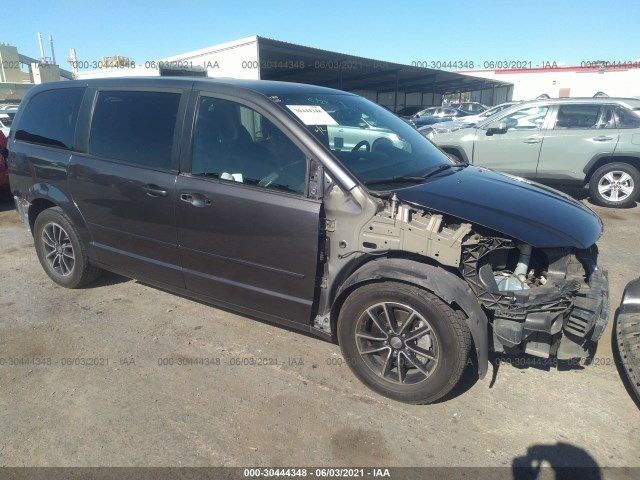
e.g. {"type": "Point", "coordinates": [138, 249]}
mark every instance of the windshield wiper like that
{"type": "Point", "coordinates": [414, 178]}
{"type": "Point", "coordinates": [439, 168]}
{"type": "Point", "coordinates": [398, 179]}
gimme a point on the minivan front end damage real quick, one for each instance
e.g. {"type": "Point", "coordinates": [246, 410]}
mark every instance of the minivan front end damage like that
{"type": "Point", "coordinates": [544, 302]}
{"type": "Point", "coordinates": [547, 302]}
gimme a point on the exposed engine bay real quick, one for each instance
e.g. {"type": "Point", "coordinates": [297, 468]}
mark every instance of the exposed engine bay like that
{"type": "Point", "coordinates": [544, 302]}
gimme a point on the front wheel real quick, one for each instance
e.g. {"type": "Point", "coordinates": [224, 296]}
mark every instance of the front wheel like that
{"type": "Point", "coordinates": [403, 342]}
{"type": "Point", "coordinates": [615, 185]}
{"type": "Point", "coordinates": [60, 250]}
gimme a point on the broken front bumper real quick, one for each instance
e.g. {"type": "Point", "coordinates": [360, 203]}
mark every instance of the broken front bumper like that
{"type": "Point", "coordinates": [561, 318]}
{"type": "Point", "coordinates": [588, 318]}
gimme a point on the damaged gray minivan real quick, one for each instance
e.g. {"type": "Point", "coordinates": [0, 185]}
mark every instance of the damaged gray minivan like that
{"type": "Point", "coordinates": [243, 194]}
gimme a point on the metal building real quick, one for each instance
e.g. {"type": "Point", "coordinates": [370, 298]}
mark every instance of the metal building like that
{"type": "Point", "coordinates": [390, 84]}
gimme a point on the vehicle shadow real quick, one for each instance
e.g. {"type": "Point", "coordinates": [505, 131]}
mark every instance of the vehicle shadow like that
{"type": "Point", "coordinates": [467, 381]}
{"type": "Point", "coordinates": [564, 460]}
{"type": "Point", "coordinates": [576, 192]}
{"type": "Point", "coordinates": [6, 201]}
{"type": "Point", "coordinates": [620, 367]}
{"type": "Point", "coordinates": [523, 361]}
{"type": "Point", "coordinates": [582, 194]}
{"type": "Point", "coordinates": [107, 279]}
{"type": "Point", "coordinates": [228, 310]}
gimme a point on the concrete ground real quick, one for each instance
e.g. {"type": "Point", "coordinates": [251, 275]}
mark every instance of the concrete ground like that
{"type": "Point", "coordinates": [136, 409]}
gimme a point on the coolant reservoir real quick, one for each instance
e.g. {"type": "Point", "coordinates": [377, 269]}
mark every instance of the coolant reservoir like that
{"type": "Point", "coordinates": [509, 283]}
{"type": "Point", "coordinates": [517, 280]}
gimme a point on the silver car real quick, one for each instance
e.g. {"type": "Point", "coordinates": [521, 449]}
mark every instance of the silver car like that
{"type": "Point", "coordinates": [354, 131]}
{"type": "Point", "coordinates": [5, 122]}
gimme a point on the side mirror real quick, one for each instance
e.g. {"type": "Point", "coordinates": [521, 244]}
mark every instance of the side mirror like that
{"type": "Point", "coordinates": [500, 128]}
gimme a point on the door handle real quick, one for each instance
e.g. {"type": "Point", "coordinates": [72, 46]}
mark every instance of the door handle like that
{"type": "Point", "coordinates": [533, 140]}
{"type": "Point", "coordinates": [155, 191]}
{"type": "Point", "coordinates": [602, 138]}
{"type": "Point", "coordinates": [195, 199]}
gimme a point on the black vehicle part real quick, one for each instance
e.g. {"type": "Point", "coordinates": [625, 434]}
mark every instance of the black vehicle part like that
{"type": "Point", "coordinates": [515, 305]}
{"type": "Point", "coordinates": [574, 300]}
{"type": "Point", "coordinates": [60, 250]}
{"type": "Point", "coordinates": [519, 209]}
{"type": "Point", "coordinates": [628, 334]}
{"type": "Point", "coordinates": [445, 285]}
{"type": "Point", "coordinates": [403, 342]}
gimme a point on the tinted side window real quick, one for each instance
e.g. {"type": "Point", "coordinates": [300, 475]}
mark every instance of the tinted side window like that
{"type": "Point", "coordinates": [50, 118]}
{"type": "Point", "coordinates": [235, 143]}
{"type": "Point", "coordinates": [626, 118]}
{"type": "Point", "coordinates": [135, 127]}
{"type": "Point", "coordinates": [578, 116]}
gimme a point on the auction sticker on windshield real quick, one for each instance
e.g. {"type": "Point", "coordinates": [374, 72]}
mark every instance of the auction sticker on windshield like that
{"type": "Point", "coordinates": [312, 115]}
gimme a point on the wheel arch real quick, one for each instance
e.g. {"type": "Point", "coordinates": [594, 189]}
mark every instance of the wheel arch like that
{"type": "Point", "coordinates": [598, 161]}
{"type": "Point", "coordinates": [442, 283]}
{"type": "Point", "coordinates": [44, 195]}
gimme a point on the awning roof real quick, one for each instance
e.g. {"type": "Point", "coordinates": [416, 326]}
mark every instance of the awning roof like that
{"type": "Point", "coordinates": [296, 63]}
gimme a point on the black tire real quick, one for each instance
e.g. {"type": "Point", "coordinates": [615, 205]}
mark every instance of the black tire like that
{"type": "Point", "coordinates": [60, 251]}
{"type": "Point", "coordinates": [444, 335]}
{"type": "Point", "coordinates": [610, 181]}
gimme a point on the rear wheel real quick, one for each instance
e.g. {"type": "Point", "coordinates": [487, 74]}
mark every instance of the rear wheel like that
{"type": "Point", "coordinates": [60, 250]}
{"type": "Point", "coordinates": [403, 342]}
{"type": "Point", "coordinates": [615, 185]}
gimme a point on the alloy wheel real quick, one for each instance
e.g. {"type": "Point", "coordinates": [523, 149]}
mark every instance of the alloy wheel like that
{"type": "Point", "coordinates": [616, 186]}
{"type": "Point", "coordinates": [58, 249]}
{"type": "Point", "coordinates": [397, 343]}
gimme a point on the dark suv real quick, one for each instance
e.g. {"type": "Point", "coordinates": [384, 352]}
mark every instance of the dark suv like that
{"type": "Point", "coordinates": [243, 194]}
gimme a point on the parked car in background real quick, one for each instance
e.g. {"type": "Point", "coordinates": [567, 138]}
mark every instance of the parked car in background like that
{"type": "Point", "coordinates": [408, 112]}
{"type": "Point", "coordinates": [233, 193]}
{"type": "Point", "coordinates": [569, 141]}
{"type": "Point", "coordinates": [433, 115]}
{"type": "Point", "coordinates": [462, 122]}
{"type": "Point", "coordinates": [4, 165]}
{"type": "Point", "coordinates": [471, 107]}
{"type": "Point", "coordinates": [478, 117]}
{"type": "Point", "coordinates": [6, 118]}
{"type": "Point", "coordinates": [357, 130]}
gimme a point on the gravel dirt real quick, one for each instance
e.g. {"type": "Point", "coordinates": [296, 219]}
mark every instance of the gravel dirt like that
{"type": "Point", "coordinates": [300, 407]}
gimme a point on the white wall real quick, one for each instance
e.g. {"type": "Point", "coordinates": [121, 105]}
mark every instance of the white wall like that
{"type": "Point", "coordinates": [237, 59]}
{"type": "Point", "coordinates": [579, 82]}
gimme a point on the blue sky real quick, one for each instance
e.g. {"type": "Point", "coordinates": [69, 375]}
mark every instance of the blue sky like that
{"type": "Point", "coordinates": [561, 31]}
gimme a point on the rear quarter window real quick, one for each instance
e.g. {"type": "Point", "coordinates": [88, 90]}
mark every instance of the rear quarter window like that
{"type": "Point", "coordinates": [50, 118]}
{"type": "Point", "coordinates": [135, 127]}
{"type": "Point", "coordinates": [626, 118]}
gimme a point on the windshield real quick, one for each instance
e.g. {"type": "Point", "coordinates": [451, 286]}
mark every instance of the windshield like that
{"type": "Point", "coordinates": [371, 142]}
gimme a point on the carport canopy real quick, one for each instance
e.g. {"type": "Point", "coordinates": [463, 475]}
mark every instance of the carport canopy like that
{"type": "Point", "coordinates": [289, 62]}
